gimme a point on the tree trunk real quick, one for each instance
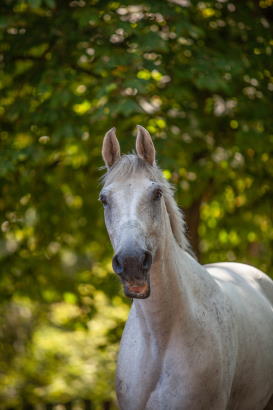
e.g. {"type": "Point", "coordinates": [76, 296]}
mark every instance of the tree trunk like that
{"type": "Point", "coordinates": [192, 217]}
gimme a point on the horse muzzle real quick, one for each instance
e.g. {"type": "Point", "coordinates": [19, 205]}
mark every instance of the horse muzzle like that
{"type": "Point", "coordinates": [132, 266]}
{"type": "Point", "coordinates": [137, 290]}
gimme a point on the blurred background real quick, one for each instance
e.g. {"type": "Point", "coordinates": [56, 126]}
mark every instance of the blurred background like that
{"type": "Point", "coordinates": [199, 76]}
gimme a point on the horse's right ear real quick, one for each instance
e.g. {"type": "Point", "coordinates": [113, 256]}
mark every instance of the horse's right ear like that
{"type": "Point", "coordinates": [110, 148]}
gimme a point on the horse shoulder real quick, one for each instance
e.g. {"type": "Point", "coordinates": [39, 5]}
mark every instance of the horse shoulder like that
{"type": "Point", "coordinates": [250, 293]}
{"type": "Point", "coordinates": [193, 372]}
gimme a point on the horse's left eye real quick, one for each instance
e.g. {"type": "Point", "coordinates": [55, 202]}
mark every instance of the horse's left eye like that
{"type": "Point", "coordinates": [103, 199]}
{"type": "Point", "coordinates": [157, 194]}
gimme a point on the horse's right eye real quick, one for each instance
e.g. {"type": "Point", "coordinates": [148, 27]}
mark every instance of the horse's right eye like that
{"type": "Point", "coordinates": [103, 199]}
{"type": "Point", "coordinates": [157, 194]}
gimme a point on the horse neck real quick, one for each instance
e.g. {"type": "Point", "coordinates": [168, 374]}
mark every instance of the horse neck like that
{"type": "Point", "coordinates": [171, 288]}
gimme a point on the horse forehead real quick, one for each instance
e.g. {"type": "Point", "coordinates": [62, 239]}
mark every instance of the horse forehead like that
{"type": "Point", "coordinates": [132, 187]}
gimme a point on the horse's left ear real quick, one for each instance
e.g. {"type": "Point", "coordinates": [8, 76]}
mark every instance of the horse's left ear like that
{"type": "Point", "coordinates": [144, 145]}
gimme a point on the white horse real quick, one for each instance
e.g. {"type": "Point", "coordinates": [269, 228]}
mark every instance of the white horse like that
{"type": "Point", "coordinates": [198, 337]}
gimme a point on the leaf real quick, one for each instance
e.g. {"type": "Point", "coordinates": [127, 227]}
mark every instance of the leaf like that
{"type": "Point", "coordinates": [50, 3]}
{"type": "Point", "coordinates": [35, 3]}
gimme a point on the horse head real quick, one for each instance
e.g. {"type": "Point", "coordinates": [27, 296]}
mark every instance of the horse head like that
{"type": "Point", "coordinates": [131, 197]}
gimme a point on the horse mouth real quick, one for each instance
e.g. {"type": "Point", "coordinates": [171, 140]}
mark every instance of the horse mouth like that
{"type": "Point", "coordinates": [137, 290]}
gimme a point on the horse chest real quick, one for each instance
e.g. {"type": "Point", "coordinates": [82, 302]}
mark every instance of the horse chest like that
{"type": "Point", "coordinates": [154, 376]}
{"type": "Point", "coordinates": [165, 387]}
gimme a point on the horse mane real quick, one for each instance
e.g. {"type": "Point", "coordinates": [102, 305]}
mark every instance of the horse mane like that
{"type": "Point", "coordinates": [131, 164]}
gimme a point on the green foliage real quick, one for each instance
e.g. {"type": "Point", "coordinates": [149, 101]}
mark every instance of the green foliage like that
{"type": "Point", "coordinates": [199, 76]}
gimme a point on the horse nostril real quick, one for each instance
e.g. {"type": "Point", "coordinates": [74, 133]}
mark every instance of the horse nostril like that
{"type": "Point", "coordinates": [147, 261]}
{"type": "Point", "coordinates": [117, 266]}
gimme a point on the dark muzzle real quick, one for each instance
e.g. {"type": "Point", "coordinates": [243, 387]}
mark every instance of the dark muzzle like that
{"type": "Point", "coordinates": [133, 265]}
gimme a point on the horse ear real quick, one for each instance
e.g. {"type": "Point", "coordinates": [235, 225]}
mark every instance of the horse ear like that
{"type": "Point", "coordinates": [110, 148]}
{"type": "Point", "coordinates": [144, 145]}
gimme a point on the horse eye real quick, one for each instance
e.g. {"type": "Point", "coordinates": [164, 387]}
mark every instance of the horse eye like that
{"type": "Point", "coordinates": [157, 194]}
{"type": "Point", "coordinates": [103, 199]}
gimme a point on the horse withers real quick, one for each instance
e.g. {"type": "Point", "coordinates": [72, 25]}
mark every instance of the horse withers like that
{"type": "Point", "coordinates": [197, 337]}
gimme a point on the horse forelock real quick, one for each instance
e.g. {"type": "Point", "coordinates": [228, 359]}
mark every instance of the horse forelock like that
{"type": "Point", "coordinates": [130, 165]}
